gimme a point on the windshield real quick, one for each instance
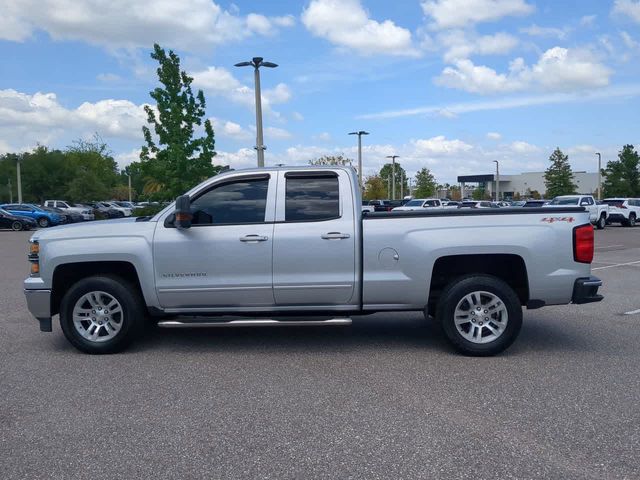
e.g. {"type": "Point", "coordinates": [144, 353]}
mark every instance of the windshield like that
{"type": "Point", "coordinates": [614, 203]}
{"type": "Point", "coordinates": [565, 201]}
{"type": "Point", "coordinates": [414, 203]}
{"type": "Point", "coordinates": [4, 212]}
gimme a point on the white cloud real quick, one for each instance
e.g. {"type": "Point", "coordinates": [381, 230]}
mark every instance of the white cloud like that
{"type": "Point", "coordinates": [588, 20]}
{"type": "Point", "coordinates": [345, 23]}
{"type": "Point", "coordinates": [630, 42]}
{"type": "Point", "coordinates": [186, 24]}
{"type": "Point", "coordinates": [622, 91]}
{"type": "Point", "coordinates": [297, 116]}
{"type": "Point", "coordinates": [229, 129]}
{"type": "Point", "coordinates": [494, 136]}
{"type": "Point", "coordinates": [242, 158]}
{"type": "Point", "coordinates": [323, 137]}
{"type": "Point", "coordinates": [462, 13]}
{"type": "Point", "coordinates": [627, 8]}
{"type": "Point", "coordinates": [127, 158]}
{"type": "Point", "coordinates": [551, 32]}
{"type": "Point", "coordinates": [27, 119]}
{"type": "Point", "coordinates": [108, 77]}
{"type": "Point", "coordinates": [221, 82]}
{"type": "Point", "coordinates": [440, 146]}
{"type": "Point", "coordinates": [523, 147]}
{"type": "Point", "coordinates": [459, 44]}
{"type": "Point", "coordinates": [558, 69]}
{"type": "Point", "coordinates": [277, 133]}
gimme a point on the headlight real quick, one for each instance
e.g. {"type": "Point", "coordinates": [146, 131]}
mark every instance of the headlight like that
{"type": "Point", "coordinates": [34, 258]}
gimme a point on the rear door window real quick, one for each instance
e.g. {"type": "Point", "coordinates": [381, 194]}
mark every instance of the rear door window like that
{"type": "Point", "coordinates": [312, 198]}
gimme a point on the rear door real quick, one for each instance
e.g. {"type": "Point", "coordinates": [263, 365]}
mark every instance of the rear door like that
{"type": "Point", "coordinates": [314, 249]}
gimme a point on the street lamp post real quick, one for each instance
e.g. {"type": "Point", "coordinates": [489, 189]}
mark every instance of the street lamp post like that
{"type": "Point", "coordinates": [359, 134]}
{"type": "Point", "coordinates": [10, 191]}
{"type": "Point", "coordinates": [256, 63]}
{"type": "Point", "coordinates": [19, 175]}
{"type": "Point", "coordinates": [393, 175]}
{"type": "Point", "coordinates": [497, 180]}
{"type": "Point", "coordinates": [129, 177]}
{"type": "Point", "coordinates": [599, 176]}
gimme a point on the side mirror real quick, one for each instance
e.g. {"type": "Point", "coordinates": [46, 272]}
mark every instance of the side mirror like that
{"type": "Point", "coordinates": [584, 203]}
{"type": "Point", "coordinates": [183, 212]}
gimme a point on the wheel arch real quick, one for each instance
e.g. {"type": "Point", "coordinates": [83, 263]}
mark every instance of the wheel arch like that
{"type": "Point", "coordinates": [66, 275]}
{"type": "Point", "coordinates": [510, 268]}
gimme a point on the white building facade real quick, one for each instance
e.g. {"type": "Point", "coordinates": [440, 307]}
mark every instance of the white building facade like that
{"type": "Point", "coordinates": [527, 182]}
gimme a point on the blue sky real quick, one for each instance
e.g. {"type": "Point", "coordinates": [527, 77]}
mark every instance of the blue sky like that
{"type": "Point", "coordinates": [446, 84]}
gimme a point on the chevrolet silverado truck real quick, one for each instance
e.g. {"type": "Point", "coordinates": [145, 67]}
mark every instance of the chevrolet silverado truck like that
{"type": "Point", "coordinates": [290, 246]}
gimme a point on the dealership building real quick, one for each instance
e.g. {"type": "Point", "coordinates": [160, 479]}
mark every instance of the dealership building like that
{"type": "Point", "coordinates": [524, 183]}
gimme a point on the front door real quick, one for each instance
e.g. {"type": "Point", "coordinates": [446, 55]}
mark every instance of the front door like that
{"type": "Point", "coordinates": [225, 259]}
{"type": "Point", "coordinates": [314, 246]}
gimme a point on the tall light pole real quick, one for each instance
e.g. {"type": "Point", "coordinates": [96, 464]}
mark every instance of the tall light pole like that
{"type": "Point", "coordinates": [18, 174]}
{"type": "Point", "coordinates": [359, 134]}
{"type": "Point", "coordinates": [129, 177]}
{"type": "Point", "coordinates": [393, 175]}
{"type": "Point", "coordinates": [497, 180]}
{"type": "Point", "coordinates": [10, 191]}
{"type": "Point", "coordinates": [599, 176]}
{"type": "Point", "coordinates": [256, 63]}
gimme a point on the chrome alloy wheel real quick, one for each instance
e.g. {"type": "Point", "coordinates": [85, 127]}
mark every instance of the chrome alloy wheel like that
{"type": "Point", "coordinates": [481, 317]}
{"type": "Point", "coordinates": [97, 316]}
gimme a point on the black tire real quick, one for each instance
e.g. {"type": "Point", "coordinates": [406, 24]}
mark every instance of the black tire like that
{"type": "Point", "coordinates": [132, 317]}
{"type": "Point", "coordinates": [602, 222]}
{"type": "Point", "coordinates": [44, 222]}
{"type": "Point", "coordinates": [455, 293]}
{"type": "Point", "coordinates": [632, 220]}
{"type": "Point", "coordinates": [16, 226]}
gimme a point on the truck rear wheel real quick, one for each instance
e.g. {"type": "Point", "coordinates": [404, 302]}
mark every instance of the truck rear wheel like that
{"type": "Point", "coordinates": [101, 314]}
{"type": "Point", "coordinates": [481, 315]}
{"type": "Point", "coordinates": [602, 222]}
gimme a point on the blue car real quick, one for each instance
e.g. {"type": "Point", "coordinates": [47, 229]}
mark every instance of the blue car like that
{"type": "Point", "coordinates": [41, 217]}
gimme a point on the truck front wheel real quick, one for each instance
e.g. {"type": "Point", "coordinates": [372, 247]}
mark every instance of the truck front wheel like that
{"type": "Point", "coordinates": [481, 315]}
{"type": "Point", "coordinates": [101, 314]}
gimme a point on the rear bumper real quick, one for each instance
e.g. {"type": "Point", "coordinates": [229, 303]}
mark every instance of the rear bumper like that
{"type": "Point", "coordinates": [39, 304]}
{"type": "Point", "coordinates": [585, 290]}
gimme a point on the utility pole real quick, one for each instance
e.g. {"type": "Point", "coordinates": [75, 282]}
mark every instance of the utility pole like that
{"type": "Point", "coordinates": [18, 174]}
{"type": "Point", "coordinates": [388, 186]}
{"type": "Point", "coordinates": [599, 176]}
{"type": "Point", "coordinates": [10, 191]}
{"type": "Point", "coordinates": [497, 180]}
{"type": "Point", "coordinates": [393, 175]}
{"type": "Point", "coordinates": [256, 63]}
{"type": "Point", "coordinates": [129, 176]}
{"type": "Point", "coordinates": [359, 134]}
{"type": "Point", "coordinates": [402, 187]}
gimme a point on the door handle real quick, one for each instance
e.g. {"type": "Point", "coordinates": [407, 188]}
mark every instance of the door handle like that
{"type": "Point", "coordinates": [335, 236]}
{"type": "Point", "coordinates": [254, 238]}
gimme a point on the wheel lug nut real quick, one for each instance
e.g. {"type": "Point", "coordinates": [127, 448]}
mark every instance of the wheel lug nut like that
{"type": "Point", "coordinates": [480, 323]}
{"type": "Point", "coordinates": [93, 319]}
{"type": "Point", "coordinates": [486, 311]}
{"type": "Point", "coordinates": [93, 311]}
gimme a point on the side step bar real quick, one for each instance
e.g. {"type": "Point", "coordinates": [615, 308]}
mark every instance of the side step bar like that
{"type": "Point", "coordinates": [256, 322]}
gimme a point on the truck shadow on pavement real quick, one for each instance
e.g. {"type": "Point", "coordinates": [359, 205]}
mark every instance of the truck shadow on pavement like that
{"type": "Point", "coordinates": [406, 332]}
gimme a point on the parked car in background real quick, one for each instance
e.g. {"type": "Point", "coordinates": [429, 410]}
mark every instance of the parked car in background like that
{"type": "Point", "coordinates": [419, 204]}
{"type": "Point", "coordinates": [367, 208]}
{"type": "Point", "coordinates": [41, 217]}
{"type": "Point", "coordinates": [535, 203]}
{"type": "Point", "coordinates": [126, 212]}
{"type": "Point", "coordinates": [518, 203]}
{"type": "Point", "coordinates": [105, 210]}
{"type": "Point", "coordinates": [476, 204]}
{"type": "Point", "coordinates": [15, 222]}
{"type": "Point", "coordinates": [385, 205]}
{"type": "Point", "coordinates": [623, 210]}
{"type": "Point", "coordinates": [598, 214]}
{"type": "Point", "coordinates": [125, 204]}
{"type": "Point", "coordinates": [86, 213]}
{"type": "Point", "coordinates": [68, 216]}
{"type": "Point", "coordinates": [450, 204]}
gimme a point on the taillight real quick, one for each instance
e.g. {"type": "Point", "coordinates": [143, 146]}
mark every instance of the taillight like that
{"type": "Point", "coordinates": [583, 244]}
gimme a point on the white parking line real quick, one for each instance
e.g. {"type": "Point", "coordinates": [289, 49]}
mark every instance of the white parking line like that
{"type": "Point", "coordinates": [633, 312]}
{"type": "Point", "coordinates": [609, 246]}
{"type": "Point", "coordinates": [616, 265]}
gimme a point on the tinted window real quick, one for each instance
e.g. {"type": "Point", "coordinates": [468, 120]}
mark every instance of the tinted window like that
{"type": "Point", "coordinates": [244, 201]}
{"type": "Point", "coordinates": [588, 200]}
{"type": "Point", "coordinates": [432, 203]}
{"type": "Point", "coordinates": [413, 203]}
{"type": "Point", "coordinates": [311, 199]}
{"type": "Point", "coordinates": [565, 201]}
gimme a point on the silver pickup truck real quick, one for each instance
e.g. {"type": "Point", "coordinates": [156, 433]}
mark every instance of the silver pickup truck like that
{"type": "Point", "coordinates": [290, 246]}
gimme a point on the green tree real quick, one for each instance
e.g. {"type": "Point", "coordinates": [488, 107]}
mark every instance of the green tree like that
{"type": "Point", "coordinates": [426, 185]}
{"type": "Point", "coordinates": [331, 160]}
{"type": "Point", "coordinates": [400, 179]}
{"type": "Point", "coordinates": [375, 188]}
{"type": "Point", "coordinates": [479, 193]}
{"type": "Point", "coordinates": [622, 176]}
{"type": "Point", "coordinates": [558, 178]}
{"type": "Point", "coordinates": [94, 170]}
{"type": "Point", "coordinates": [173, 159]}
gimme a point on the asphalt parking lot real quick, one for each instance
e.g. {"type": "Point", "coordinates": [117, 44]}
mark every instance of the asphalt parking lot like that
{"type": "Point", "coordinates": [379, 399]}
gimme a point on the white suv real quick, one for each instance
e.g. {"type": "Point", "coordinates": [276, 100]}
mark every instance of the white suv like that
{"type": "Point", "coordinates": [87, 213]}
{"type": "Point", "coordinates": [623, 210]}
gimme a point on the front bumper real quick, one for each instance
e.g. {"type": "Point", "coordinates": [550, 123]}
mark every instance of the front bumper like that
{"type": "Point", "coordinates": [39, 304]}
{"type": "Point", "coordinates": [585, 290]}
